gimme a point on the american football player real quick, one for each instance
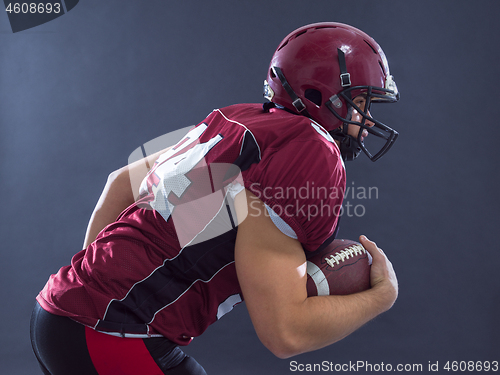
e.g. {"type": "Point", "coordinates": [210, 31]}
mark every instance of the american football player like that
{"type": "Point", "coordinates": [228, 214]}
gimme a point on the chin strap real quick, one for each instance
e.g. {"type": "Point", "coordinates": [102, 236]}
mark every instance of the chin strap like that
{"type": "Point", "coordinates": [297, 103]}
{"type": "Point", "coordinates": [348, 145]}
{"type": "Point", "coordinates": [348, 150]}
{"type": "Point", "coordinates": [345, 77]}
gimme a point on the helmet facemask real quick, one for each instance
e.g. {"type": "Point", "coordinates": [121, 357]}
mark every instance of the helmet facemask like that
{"type": "Point", "coordinates": [351, 146]}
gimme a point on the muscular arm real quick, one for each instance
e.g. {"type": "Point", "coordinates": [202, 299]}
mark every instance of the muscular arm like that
{"type": "Point", "coordinates": [271, 270]}
{"type": "Point", "coordinates": [119, 192]}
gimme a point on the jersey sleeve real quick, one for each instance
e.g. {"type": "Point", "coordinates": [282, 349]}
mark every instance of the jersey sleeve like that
{"type": "Point", "coordinates": [304, 183]}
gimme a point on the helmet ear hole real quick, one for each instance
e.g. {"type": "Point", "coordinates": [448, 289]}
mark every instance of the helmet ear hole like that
{"type": "Point", "coordinates": [314, 96]}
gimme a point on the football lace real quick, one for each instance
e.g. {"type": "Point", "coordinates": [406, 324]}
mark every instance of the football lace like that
{"type": "Point", "coordinates": [342, 255]}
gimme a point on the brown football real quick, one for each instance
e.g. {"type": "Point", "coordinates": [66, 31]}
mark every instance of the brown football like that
{"type": "Point", "coordinates": [342, 267]}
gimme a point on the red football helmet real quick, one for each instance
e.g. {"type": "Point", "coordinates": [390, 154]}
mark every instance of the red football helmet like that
{"type": "Point", "coordinates": [317, 71]}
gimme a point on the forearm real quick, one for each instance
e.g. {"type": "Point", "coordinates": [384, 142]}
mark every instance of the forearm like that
{"type": "Point", "coordinates": [116, 196]}
{"type": "Point", "coordinates": [321, 321]}
{"type": "Point", "coordinates": [318, 321]}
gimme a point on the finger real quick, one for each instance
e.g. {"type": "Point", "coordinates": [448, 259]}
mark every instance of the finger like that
{"type": "Point", "coordinates": [370, 246]}
{"type": "Point", "coordinates": [372, 249]}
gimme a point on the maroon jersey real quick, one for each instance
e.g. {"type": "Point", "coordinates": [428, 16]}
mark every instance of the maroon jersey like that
{"type": "Point", "coordinates": [165, 267]}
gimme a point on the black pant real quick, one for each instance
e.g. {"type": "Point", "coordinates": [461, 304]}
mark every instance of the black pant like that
{"type": "Point", "coordinates": [60, 346]}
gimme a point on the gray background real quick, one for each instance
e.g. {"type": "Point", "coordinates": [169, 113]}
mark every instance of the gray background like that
{"type": "Point", "coordinates": [80, 93]}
